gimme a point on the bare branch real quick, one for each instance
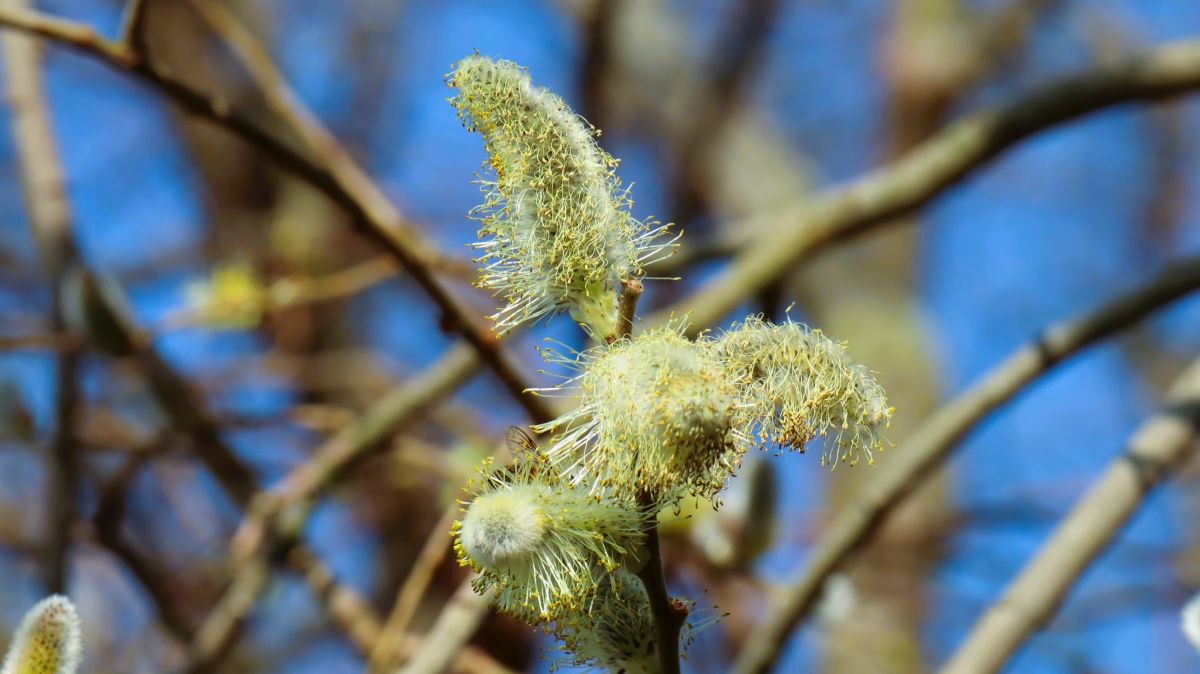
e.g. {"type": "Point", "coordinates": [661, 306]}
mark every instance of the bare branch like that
{"type": "Point", "coordinates": [49, 216]}
{"type": "Point", "coordinates": [408, 598]}
{"type": "Point", "coordinates": [787, 237]}
{"type": "Point", "coordinates": [669, 616]}
{"type": "Point", "coordinates": [454, 626]}
{"type": "Point", "coordinates": [341, 179]}
{"type": "Point", "coordinates": [275, 517]}
{"type": "Point", "coordinates": [279, 512]}
{"type": "Point", "coordinates": [928, 447]}
{"type": "Point", "coordinates": [1158, 448]}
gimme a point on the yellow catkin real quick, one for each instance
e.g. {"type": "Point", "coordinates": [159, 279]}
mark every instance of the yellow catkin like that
{"type": "Point", "coordinates": [657, 415]}
{"type": "Point", "coordinates": [540, 542]}
{"type": "Point", "coordinates": [804, 386]}
{"type": "Point", "coordinates": [48, 641]}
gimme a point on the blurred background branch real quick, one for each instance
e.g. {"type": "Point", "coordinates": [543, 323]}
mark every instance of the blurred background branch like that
{"type": "Point", "coordinates": [240, 357]}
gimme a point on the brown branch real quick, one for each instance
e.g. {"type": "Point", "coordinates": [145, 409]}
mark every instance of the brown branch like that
{"type": "Point", "coordinates": [1159, 447]}
{"type": "Point", "coordinates": [791, 235]}
{"type": "Point", "coordinates": [742, 50]}
{"type": "Point", "coordinates": [338, 177]}
{"type": "Point", "coordinates": [381, 220]}
{"type": "Point", "coordinates": [669, 616]}
{"type": "Point", "coordinates": [275, 517]}
{"type": "Point", "coordinates": [279, 512]}
{"type": "Point", "coordinates": [631, 292]}
{"type": "Point", "coordinates": [454, 626]}
{"type": "Point", "coordinates": [929, 446]}
{"type": "Point", "coordinates": [49, 216]}
{"type": "Point", "coordinates": [408, 598]}
{"type": "Point", "coordinates": [189, 414]}
{"type": "Point", "coordinates": [106, 522]}
{"type": "Point", "coordinates": [133, 26]}
{"type": "Point", "coordinates": [51, 342]}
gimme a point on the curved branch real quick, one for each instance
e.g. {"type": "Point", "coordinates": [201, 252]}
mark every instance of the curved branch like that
{"type": "Point", "coordinates": [1157, 448]}
{"type": "Point", "coordinates": [930, 445]}
{"type": "Point", "coordinates": [340, 179]}
{"type": "Point", "coordinates": [787, 237]}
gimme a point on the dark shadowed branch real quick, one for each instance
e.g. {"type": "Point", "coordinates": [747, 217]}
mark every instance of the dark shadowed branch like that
{"type": "Point", "coordinates": [49, 216]}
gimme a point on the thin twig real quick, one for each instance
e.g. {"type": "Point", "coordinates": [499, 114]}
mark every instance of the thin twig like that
{"type": "Point", "coordinates": [294, 291]}
{"type": "Point", "coordinates": [408, 598]}
{"type": "Point", "coordinates": [631, 292]}
{"type": "Point", "coordinates": [928, 447]}
{"type": "Point", "coordinates": [52, 342]}
{"type": "Point", "coordinates": [49, 216]}
{"type": "Point", "coordinates": [107, 521]}
{"type": "Point", "coordinates": [279, 512]}
{"type": "Point", "coordinates": [453, 627]}
{"type": "Point", "coordinates": [669, 616]}
{"type": "Point", "coordinates": [1160, 446]}
{"type": "Point", "coordinates": [376, 211]}
{"type": "Point", "coordinates": [788, 236]}
{"type": "Point", "coordinates": [189, 414]}
{"type": "Point", "coordinates": [275, 517]}
{"type": "Point", "coordinates": [342, 180]}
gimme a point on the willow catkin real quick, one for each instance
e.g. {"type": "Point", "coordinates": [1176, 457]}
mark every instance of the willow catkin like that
{"type": "Point", "coordinates": [48, 640]}
{"type": "Point", "coordinates": [1189, 621]}
{"type": "Point", "coordinates": [657, 415]}
{"type": "Point", "coordinates": [804, 386]}
{"type": "Point", "coordinates": [555, 226]}
{"type": "Point", "coordinates": [540, 542]}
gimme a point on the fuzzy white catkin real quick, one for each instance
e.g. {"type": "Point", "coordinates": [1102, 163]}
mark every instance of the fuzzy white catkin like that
{"type": "Point", "coordinates": [804, 386]}
{"type": "Point", "coordinates": [657, 415]}
{"type": "Point", "coordinates": [48, 640]}
{"type": "Point", "coordinates": [1189, 619]}
{"type": "Point", "coordinates": [555, 227]}
{"type": "Point", "coordinates": [541, 542]}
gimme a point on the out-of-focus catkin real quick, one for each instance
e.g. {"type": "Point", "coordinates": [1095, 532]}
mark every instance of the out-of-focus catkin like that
{"type": "Point", "coordinates": [1189, 621]}
{"type": "Point", "coordinates": [617, 634]}
{"type": "Point", "coordinates": [555, 227]}
{"type": "Point", "coordinates": [48, 641]}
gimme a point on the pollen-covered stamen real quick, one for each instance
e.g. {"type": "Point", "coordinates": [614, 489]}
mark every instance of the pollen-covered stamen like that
{"type": "Point", "coordinates": [48, 640]}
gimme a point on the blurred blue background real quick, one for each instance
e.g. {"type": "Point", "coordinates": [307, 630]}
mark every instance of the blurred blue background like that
{"type": "Point", "coordinates": [1053, 227]}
